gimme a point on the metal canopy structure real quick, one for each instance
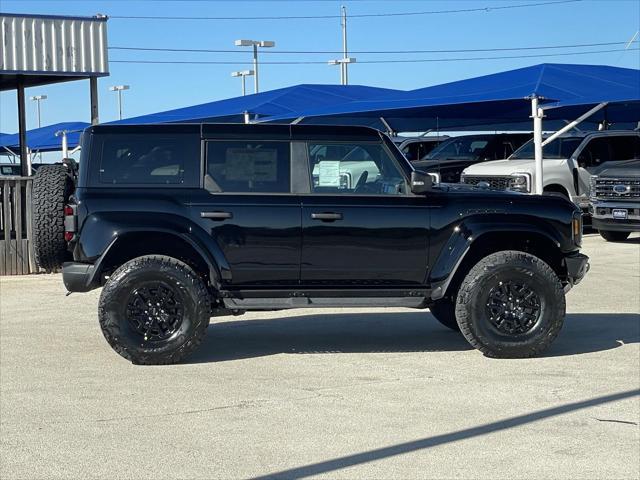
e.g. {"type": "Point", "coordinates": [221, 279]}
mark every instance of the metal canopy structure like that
{"type": "Point", "coordinates": [46, 139]}
{"type": "Point", "coordinates": [286, 101]}
{"type": "Point", "coordinates": [39, 50]}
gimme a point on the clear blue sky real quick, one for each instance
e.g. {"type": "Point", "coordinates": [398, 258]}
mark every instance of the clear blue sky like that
{"type": "Point", "coordinates": [160, 87]}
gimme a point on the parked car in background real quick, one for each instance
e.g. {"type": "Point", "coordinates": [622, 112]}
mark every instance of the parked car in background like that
{"type": "Point", "coordinates": [569, 162]}
{"type": "Point", "coordinates": [615, 200]}
{"type": "Point", "coordinates": [416, 148]}
{"type": "Point", "coordinates": [447, 161]}
{"type": "Point", "coordinates": [14, 169]}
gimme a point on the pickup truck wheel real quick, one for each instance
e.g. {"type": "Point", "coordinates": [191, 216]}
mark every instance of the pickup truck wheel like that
{"type": "Point", "coordinates": [52, 187]}
{"type": "Point", "coordinates": [154, 310]}
{"type": "Point", "coordinates": [611, 236]}
{"type": "Point", "coordinates": [445, 312]}
{"type": "Point", "coordinates": [510, 305]}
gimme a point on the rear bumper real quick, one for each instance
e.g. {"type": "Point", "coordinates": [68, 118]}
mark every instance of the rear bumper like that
{"type": "Point", "coordinates": [577, 267]}
{"type": "Point", "coordinates": [79, 277]}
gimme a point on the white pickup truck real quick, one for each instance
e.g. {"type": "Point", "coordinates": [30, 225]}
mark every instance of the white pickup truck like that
{"type": "Point", "coordinates": [569, 162]}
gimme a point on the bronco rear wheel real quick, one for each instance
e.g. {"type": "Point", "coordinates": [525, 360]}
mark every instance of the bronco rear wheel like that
{"type": "Point", "coordinates": [154, 310]}
{"type": "Point", "coordinates": [510, 305]}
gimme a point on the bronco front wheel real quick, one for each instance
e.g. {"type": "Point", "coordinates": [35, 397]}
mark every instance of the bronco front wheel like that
{"type": "Point", "coordinates": [154, 310]}
{"type": "Point", "coordinates": [510, 305]}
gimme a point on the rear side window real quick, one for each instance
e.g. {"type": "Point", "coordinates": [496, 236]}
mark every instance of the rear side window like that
{"type": "Point", "coordinates": [149, 159]}
{"type": "Point", "coordinates": [248, 167]}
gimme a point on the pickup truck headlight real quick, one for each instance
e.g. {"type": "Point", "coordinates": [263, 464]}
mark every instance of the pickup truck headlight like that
{"type": "Point", "coordinates": [520, 182]}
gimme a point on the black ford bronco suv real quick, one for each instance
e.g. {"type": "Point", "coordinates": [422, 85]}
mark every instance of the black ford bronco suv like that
{"type": "Point", "coordinates": [183, 222]}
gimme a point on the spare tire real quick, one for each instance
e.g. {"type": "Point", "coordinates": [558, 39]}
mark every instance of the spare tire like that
{"type": "Point", "coordinates": [52, 187]}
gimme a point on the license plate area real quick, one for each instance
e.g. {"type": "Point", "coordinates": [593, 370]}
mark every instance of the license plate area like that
{"type": "Point", "coordinates": [620, 213]}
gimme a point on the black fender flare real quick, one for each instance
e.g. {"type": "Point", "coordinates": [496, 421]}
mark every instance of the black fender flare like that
{"type": "Point", "coordinates": [102, 232]}
{"type": "Point", "coordinates": [469, 233]}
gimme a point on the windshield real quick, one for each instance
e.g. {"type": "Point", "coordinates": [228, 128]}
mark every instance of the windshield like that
{"type": "Point", "coordinates": [560, 148]}
{"type": "Point", "coordinates": [460, 148]}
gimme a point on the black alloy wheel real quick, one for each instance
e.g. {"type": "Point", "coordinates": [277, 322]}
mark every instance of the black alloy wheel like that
{"type": "Point", "coordinates": [511, 304]}
{"type": "Point", "coordinates": [154, 310]}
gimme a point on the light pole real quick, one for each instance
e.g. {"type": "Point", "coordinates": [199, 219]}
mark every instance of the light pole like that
{"type": "Point", "coordinates": [242, 74]}
{"type": "Point", "coordinates": [119, 89]}
{"type": "Point", "coordinates": [38, 99]}
{"type": "Point", "coordinates": [255, 44]}
{"type": "Point", "coordinates": [343, 62]}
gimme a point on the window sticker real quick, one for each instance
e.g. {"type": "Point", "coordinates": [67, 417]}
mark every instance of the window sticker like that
{"type": "Point", "coordinates": [329, 173]}
{"type": "Point", "coordinates": [251, 165]}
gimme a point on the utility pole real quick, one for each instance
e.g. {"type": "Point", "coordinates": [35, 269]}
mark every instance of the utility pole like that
{"type": "Point", "coordinates": [344, 65]}
{"type": "Point", "coordinates": [345, 60]}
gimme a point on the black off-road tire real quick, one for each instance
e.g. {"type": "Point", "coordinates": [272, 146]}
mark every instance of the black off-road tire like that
{"type": "Point", "coordinates": [491, 272]}
{"type": "Point", "coordinates": [445, 312]}
{"type": "Point", "coordinates": [121, 289]}
{"type": "Point", "coordinates": [52, 187]}
{"type": "Point", "coordinates": [611, 236]}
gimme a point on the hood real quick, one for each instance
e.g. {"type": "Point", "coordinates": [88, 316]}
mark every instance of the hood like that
{"type": "Point", "coordinates": [507, 167]}
{"type": "Point", "coordinates": [622, 168]}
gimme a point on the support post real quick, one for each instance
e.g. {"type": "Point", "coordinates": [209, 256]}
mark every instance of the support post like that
{"type": "Point", "coordinates": [93, 93]}
{"type": "Point", "coordinates": [22, 131]}
{"type": "Point", "coordinates": [537, 114]}
{"type": "Point", "coordinates": [65, 145]}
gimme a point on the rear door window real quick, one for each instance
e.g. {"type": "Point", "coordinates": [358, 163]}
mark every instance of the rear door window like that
{"type": "Point", "coordinates": [248, 167]}
{"type": "Point", "coordinates": [149, 159]}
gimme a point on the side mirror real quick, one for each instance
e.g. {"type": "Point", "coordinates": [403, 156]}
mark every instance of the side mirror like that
{"type": "Point", "coordinates": [421, 182]}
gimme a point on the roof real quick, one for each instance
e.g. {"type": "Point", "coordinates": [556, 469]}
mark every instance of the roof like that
{"type": "Point", "coordinates": [231, 131]}
{"type": "Point", "coordinates": [42, 49]}
{"type": "Point", "coordinates": [44, 139]}
{"type": "Point", "coordinates": [495, 99]}
{"type": "Point", "coordinates": [286, 101]}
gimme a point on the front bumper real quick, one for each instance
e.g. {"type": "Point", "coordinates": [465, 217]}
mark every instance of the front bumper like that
{"type": "Point", "coordinates": [577, 267]}
{"type": "Point", "coordinates": [79, 277]}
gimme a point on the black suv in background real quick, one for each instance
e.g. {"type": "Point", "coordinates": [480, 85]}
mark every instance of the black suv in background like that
{"type": "Point", "coordinates": [615, 200]}
{"type": "Point", "coordinates": [180, 223]}
{"type": "Point", "coordinates": [447, 161]}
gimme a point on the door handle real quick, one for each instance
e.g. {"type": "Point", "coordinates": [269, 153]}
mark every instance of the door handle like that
{"type": "Point", "coordinates": [326, 217]}
{"type": "Point", "coordinates": [216, 215]}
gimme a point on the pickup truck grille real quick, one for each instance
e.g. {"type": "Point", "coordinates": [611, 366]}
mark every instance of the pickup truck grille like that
{"type": "Point", "coordinates": [498, 183]}
{"type": "Point", "coordinates": [605, 188]}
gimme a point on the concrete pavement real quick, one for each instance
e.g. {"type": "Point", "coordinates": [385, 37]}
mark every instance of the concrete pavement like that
{"type": "Point", "coordinates": [345, 393]}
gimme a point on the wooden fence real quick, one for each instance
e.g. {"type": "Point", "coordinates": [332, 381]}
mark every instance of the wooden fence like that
{"type": "Point", "coordinates": [16, 231]}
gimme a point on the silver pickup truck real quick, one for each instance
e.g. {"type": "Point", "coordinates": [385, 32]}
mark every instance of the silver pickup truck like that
{"type": "Point", "coordinates": [569, 162]}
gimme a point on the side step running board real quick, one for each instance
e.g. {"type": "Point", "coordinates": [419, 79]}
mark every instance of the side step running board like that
{"type": "Point", "coordinates": [321, 302]}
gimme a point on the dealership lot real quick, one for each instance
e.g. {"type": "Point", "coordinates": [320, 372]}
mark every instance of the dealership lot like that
{"type": "Point", "coordinates": [386, 393]}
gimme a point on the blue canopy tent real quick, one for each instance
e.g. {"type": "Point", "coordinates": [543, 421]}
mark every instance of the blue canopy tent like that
{"type": "Point", "coordinates": [286, 101]}
{"type": "Point", "coordinates": [499, 101]}
{"type": "Point", "coordinates": [44, 139]}
{"type": "Point", "coordinates": [508, 100]}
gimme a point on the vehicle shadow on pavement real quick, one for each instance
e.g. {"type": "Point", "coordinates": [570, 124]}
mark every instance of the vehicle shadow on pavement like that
{"type": "Point", "coordinates": [389, 332]}
{"type": "Point", "coordinates": [332, 465]}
